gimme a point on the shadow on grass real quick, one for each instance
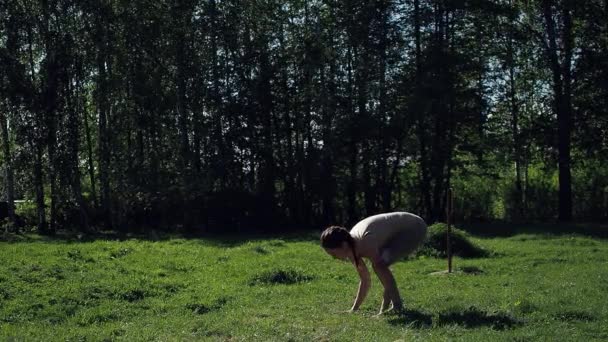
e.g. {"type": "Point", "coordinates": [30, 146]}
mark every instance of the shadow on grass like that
{"type": "Point", "coordinates": [412, 318]}
{"type": "Point", "coordinates": [226, 240]}
{"type": "Point", "coordinates": [469, 318]}
{"type": "Point", "coordinates": [574, 316]}
{"type": "Point", "coordinates": [474, 318]}
{"type": "Point", "coordinates": [235, 240]}
{"type": "Point", "coordinates": [201, 309]}
{"type": "Point", "coordinates": [280, 276]}
{"type": "Point", "coordinates": [507, 229]}
{"type": "Point", "coordinates": [474, 270]}
{"type": "Point", "coordinates": [232, 239]}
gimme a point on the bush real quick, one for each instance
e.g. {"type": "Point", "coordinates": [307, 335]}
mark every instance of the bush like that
{"type": "Point", "coordinates": [436, 243]}
{"type": "Point", "coordinates": [590, 190]}
{"type": "Point", "coordinates": [540, 195]}
{"type": "Point", "coordinates": [476, 197]}
{"type": "Point", "coordinates": [27, 212]}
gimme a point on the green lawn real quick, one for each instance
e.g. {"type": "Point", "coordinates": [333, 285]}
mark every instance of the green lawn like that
{"type": "Point", "coordinates": [533, 287]}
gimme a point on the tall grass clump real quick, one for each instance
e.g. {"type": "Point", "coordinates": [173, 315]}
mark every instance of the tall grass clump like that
{"type": "Point", "coordinates": [462, 246]}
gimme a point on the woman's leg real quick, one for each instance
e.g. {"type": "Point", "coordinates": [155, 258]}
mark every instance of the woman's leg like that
{"type": "Point", "coordinates": [398, 247]}
{"type": "Point", "coordinates": [386, 301]}
{"type": "Point", "coordinates": [390, 286]}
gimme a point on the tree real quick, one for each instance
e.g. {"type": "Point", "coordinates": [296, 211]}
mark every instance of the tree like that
{"type": "Point", "coordinates": [561, 68]}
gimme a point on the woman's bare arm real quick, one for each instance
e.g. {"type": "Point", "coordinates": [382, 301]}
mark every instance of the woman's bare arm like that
{"type": "Point", "coordinates": [364, 283]}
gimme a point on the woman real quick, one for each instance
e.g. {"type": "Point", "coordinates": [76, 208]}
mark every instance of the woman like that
{"type": "Point", "coordinates": [383, 239]}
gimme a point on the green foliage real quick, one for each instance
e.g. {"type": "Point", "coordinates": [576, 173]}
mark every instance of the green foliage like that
{"type": "Point", "coordinates": [590, 184]}
{"type": "Point", "coordinates": [541, 193]}
{"type": "Point", "coordinates": [27, 211]}
{"type": "Point", "coordinates": [6, 225]}
{"type": "Point", "coordinates": [476, 197]}
{"type": "Point", "coordinates": [198, 116]}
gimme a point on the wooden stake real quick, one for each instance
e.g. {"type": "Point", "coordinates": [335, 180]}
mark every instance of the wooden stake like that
{"type": "Point", "coordinates": [448, 214]}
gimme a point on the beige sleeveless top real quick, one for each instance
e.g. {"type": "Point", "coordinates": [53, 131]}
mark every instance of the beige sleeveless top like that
{"type": "Point", "coordinates": [372, 233]}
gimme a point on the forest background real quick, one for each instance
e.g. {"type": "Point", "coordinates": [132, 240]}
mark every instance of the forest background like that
{"type": "Point", "coordinates": [195, 116]}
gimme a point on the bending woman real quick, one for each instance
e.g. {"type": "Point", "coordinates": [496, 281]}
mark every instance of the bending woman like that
{"type": "Point", "coordinates": [383, 239]}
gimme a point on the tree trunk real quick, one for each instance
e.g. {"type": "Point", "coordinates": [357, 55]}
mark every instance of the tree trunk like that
{"type": "Point", "coordinates": [49, 105]}
{"type": "Point", "coordinates": [421, 127]}
{"type": "Point", "coordinates": [384, 185]}
{"type": "Point", "coordinates": [352, 183]}
{"type": "Point", "coordinates": [102, 107]}
{"type": "Point", "coordinates": [8, 168]}
{"type": "Point", "coordinates": [182, 18]}
{"type": "Point", "coordinates": [562, 101]}
{"type": "Point", "coordinates": [90, 162]}
{"type": "Point", "coordinates": [267, 189]}
{"type": "Point", "coordinates": [36, 144]}
{"type": "Point", "coordinates": [327, 165]}
{"type": "Point", "coordinates": [480, 89]}
{"type": "Point", "coordinates": [565, 121]}
{"type": "Point", "coordinates": [515, 121]}
{"type": "Point", "coordinates": [39, 186]}
{"type": "Point", "coordinates": [351, 191]}
{"type": "Point", "coordinates": [74, 151]}
{"type": "Point", "coordinates": [368, 188]}
{"type": "Point", "coordinates": [516, 144]}
{"type": "Point", "coordinates": [183, 118]}
{"type": "Point", "coordinates": [222, 156]}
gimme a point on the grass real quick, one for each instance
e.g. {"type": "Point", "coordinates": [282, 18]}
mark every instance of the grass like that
{"type": "Point", "coordinates": [532, 287]}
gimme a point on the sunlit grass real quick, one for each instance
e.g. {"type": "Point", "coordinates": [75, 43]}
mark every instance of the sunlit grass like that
{"type": "Point", "coordinates": [532, 287]}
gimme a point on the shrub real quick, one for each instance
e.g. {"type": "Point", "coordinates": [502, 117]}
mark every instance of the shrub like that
{"type": "Point", "coordinates": [540, 191]}
{"type": "Point", "coordinates": [590, 190]}
{"type": "Point", "coordinates": [476, 197]}
{"type": "Point", "coordinates": [436, 243]}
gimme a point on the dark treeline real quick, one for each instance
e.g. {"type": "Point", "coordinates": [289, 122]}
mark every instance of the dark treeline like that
{"type": "Point", "coordinates": [209, 114]}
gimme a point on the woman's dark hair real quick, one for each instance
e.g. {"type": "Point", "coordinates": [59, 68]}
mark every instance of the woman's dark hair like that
{"type": "Point", "coordinates": [334, 236]}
